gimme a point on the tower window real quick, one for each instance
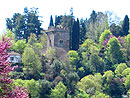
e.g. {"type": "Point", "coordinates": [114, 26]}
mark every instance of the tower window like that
{"type": "Point", "coordinates": [61, 42]}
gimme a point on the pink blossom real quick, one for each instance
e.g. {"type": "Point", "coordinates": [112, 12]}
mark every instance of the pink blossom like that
{"type": "Point", "coordinates": [5, 68]}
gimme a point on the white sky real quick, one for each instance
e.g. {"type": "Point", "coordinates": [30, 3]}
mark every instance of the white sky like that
{"type": "Point", "coordinates": [81, 8]}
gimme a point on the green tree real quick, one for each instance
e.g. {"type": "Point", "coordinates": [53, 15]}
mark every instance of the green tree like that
{"type": "Point", "coordinates": [83, 31]}
{"type": "Point", "coordinates": [24, 24]}
{"type": "Point", "coordinates": [120, 68]}
{"type": "Point", "coordinates": [127, 46]}
{"type": "Point", "coordinates": [105, 35]}
{"type": "Point", "coordinates": [32, 64]}
{"type": "Point", "coordinates": [43, 40]}
{"type": "Point", "coordinates": [73, 58]}
{"type": "Point", "coordinates": [96, 63]}
{"type": "Point", "coordinates": [125, 26]}
{"type": "Point", "coordinates": [51, 21]}
{"type": "Point", "coordinates": [126, 72]}
{"type": "Point", "coordinates": [113, 52]}
{"type": "Point", "coordinates": [58, 20]}
{"type": "Point", "coordinates": [96, 25]}
{"type": "Point", "coordinates": [108, 75]}
{"type": "Point", "coordinates": [86, 49]}
{"type": "Point", "coordinates": [127, 82]}
{"type": "Point", "coordinates": [19, 46]}
{"type": "Point", "coordinates": [90, 83]}
{"type": "Point", "coordinates": [75, 35]}
{"type": "Point", "coordinates": [44, 88]}
{"type": "Point", "coordinates": [32, 85]}
{"type": "Point", "coordinates": [115, 29]}
{"type": "Point", "coordinates": [59, 91]}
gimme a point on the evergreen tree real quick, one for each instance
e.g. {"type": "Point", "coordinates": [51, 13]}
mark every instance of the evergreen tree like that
{"type": "Point", "coordinates": [24, 24]}
{"type": "Point", "coordinates": [125, 26]}
{"type": "Point", "coordinates": [115, 29]}
{"type": "Point", "coordinates": [82, 31]}
{"type": "Point", "coordinates": [75, 35]}
{"type": "Point", "coordinates": [51, 21]}
{"type": "Point", "coordinates": [58, 20]}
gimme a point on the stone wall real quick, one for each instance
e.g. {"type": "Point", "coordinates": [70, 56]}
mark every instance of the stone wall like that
{"type": "Point", "coordinates": [58, 37]}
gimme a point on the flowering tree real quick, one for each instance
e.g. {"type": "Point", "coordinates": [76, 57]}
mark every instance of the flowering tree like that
{"type": "Point", "coordinates": [111, 36]}
{"type": "Point", "coordinates": [7, 90]}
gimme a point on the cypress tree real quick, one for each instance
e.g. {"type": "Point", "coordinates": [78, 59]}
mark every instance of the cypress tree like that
{"type": "Point", "coordinates": [51, 21]}
{"type": "Point", "coordinates": [125, 26]}
{"type": "Point", "coordinates": [75, 35]}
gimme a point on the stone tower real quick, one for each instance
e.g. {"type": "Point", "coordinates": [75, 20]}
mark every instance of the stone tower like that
{"type": "Point", "coordinates": [58, 37]}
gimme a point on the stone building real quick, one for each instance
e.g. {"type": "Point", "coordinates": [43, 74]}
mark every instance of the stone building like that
{"type": "Point", "coordinates": [58, 37]}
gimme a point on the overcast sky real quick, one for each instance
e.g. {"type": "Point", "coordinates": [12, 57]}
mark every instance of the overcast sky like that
{"type": "Point", "coordinates": [81, 8]}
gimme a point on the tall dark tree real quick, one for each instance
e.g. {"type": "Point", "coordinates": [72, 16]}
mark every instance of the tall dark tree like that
{"type": "Point", "coordinates": [75, 35]}
{"type": "Point", "coordinates": [51, 21]}
{"type": "Point", "coordinates": [93, 17]}
{"type": "Point", "coordinates": [125, 26]}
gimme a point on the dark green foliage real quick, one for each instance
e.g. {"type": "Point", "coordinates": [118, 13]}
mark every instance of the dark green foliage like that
{"type": "Point", "coordinates": [82, 31]}
{"type": "Point", "coordinates": [115, 29]}
{"type": "Point", "coordinates": [51, 21]}
{"type": "Point", "coordinates": [96, 63]}
{"type": "Point", "coordinates": [24, 24]}
{"type": "Point", "coordinates": [93, 17]}
{"type": "Point", "coordinates": [125, 26]}
{"type": "Point", "coordinates": [75, 35]}
{"type": "Point", "coordinates": [56, 67]}
{"type": "Point", "coordinates": [58, 20]}
{"type": "Point", "coordinates": [116, 88]}
{"type": "Point", "coordinates": [44, 88]}
{"type": "Point", "coordinates": [72, 81]}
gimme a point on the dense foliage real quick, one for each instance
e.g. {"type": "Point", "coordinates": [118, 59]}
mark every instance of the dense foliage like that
{"type": "Point", "coordinates": [96, 66]}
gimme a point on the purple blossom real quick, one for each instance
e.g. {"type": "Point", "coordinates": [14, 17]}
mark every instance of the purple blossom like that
{"type": "Point", "coordinates": [111, 36]}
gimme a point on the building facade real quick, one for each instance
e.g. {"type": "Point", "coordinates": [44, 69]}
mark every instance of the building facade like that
{"type": "Point", "coordinates": [58, 37]}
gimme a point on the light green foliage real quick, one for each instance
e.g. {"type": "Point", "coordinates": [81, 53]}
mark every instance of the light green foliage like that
{"type": "Point", "coordinates": [104, 36]}
{"type": "Point", "coordinates": [32, 85]}
{"type": "Point", "coordinates": [37, 48]}
{"type": "Point", "coordinates": [100, 95]}
{"type": "Point", "coordinates": [59, 91]}
{"type": "Point", "coordinates": [51, 53]}
{"type": "Point", "coordinates": [90, 82]}
{"type": "Point", "coordinates": [11, 35]}
{"type": "Point", "coordinates": [96, 63]}
{"type": "Point", "coordinates": [33, 43]}
{"type": "Point", "coordinates": [113, 52]}
{"type": "Point", "coordinates": [82, 94]}
{"type": "Point", "coordinates": [127, 45]}
{"type": "Point", "coordinates": [96, 25]}
{"type": "Point", "coordinates": [32, 39]}
{"type": "Point", "coordinates": [19, 46]}
{"type": "Point", "coordinates": [32, 63]}
{"type": "Point", "coordinates": [126, 72]}
{"type": "Point", "coordinates": [120, 68]}
{"type": "Point", "coordinates": [108, 75]}
{"type": "Point", "coordinates": [127, 82]}
{"type": "Point", "coordinates": [73, 58]}
{"type": "Point", "coordinates": [43, 40]}
{"type": "Point", "coordinates": [86, 49]}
